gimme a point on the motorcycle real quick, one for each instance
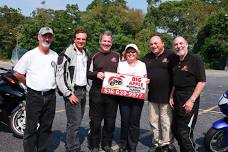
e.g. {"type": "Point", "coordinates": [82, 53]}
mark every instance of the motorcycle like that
{"type": "Point", "coordinates": [216, 139]}
{"type": "Point", "coordinates": [12, 98]}
{"type": "Point", "coordinates": [12, 102]}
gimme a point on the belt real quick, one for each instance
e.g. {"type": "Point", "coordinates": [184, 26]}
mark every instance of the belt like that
{"type": "Point", "coordinates": [42, 93]}
{"type": "Point", "coordinates": [79, 87]}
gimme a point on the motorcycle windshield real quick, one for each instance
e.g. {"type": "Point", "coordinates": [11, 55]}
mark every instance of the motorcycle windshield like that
{"type": "Point", "coordinates": [17, 53]}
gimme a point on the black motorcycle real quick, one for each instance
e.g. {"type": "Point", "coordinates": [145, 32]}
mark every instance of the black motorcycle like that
{"type": "Point", "coordinates": [12, 102]}
{"type": "Point", "coordinates": [12, 97]}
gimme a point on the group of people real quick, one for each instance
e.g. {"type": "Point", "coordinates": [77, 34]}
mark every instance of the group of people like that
{"type": "Point", "coordinates": [175, 81]}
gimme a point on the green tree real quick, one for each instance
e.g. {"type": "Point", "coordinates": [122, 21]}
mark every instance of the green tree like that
{"type": "Point", "coordinates": [9, 20]}
{"type": "Point", "coordinates": [115, 17]}
{"type": "Point", "coordinates": [212, 41]}
{"type": "Point", "coordinates": [184, 17]}
{"type": "Point", "coordinates": [96, 3]}
{"type": "Point", "coordinates": [63, 23]}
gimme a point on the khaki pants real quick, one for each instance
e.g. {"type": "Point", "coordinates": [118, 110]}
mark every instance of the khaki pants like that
{"type": "Point", "coordinates": [160, 118]}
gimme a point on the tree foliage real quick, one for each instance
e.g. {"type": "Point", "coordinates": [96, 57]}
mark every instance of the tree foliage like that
{"type": "Point", "coordinates": [212, 41]}
{"type": "Point", "coordinates": [9, 20]}
{"type": "Point", "coordinates": [188, 18]}
{"type": "Point", "coordinates": [116, 17]}
{"type": "Point", "coordinates": [184, 17]}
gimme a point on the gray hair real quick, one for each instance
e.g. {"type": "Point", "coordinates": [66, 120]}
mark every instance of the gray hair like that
{"type": "Point", "coordinates": [179, 36]}
{"type": "Point", "coordinates": [107, 33]}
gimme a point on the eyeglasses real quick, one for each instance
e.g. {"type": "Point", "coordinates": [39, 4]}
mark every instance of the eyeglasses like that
{"type": "Point", "coordinates": [131, 51]}
{"type": "Point", "coordinates": [47, 36]}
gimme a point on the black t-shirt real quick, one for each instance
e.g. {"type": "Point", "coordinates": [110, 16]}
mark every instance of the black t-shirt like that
{"type": "Point", "coordinates": [159, 75]}
{"type": "Point", "coordinates": [187, 73]}
{"type": "Point", "coordinates": [101, 62]}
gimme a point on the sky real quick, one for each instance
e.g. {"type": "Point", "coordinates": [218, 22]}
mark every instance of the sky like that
{"type": "Point", "coordinates": [27, 6]}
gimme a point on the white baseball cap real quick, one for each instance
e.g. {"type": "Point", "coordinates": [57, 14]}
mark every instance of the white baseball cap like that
{"type": "Point", "coordinates": [132, 46]}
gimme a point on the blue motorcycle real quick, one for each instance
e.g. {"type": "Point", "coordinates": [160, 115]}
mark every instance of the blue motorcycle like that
{"type": "Point", "coordinates": [216, 139]}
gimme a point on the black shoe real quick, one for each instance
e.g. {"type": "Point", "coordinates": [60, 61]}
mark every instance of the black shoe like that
{"type": "Point", "coordinates": [154, 149]}
{"type": "Point", "coordinates": [122, 150]}
{"type": "Point", "coordinates": [94, 150]}
{"type": "Point", "coordinates": [107, 149]}
{"type": "Point", "coordinates": [166, 148]}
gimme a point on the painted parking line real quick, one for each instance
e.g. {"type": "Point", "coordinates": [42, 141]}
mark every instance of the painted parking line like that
{"type": "Point", "coordinates": [60, 110]}
{"type": "Point", "coordinates": [215, 112]}
{"type": "Point", "coordinates": [202, 111]}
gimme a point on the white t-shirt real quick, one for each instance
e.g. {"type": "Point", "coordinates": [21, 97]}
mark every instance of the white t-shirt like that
{"type": "Point", "coordinates": [39, 69]}
{"type": "Point", "coordinates": [138, 70]}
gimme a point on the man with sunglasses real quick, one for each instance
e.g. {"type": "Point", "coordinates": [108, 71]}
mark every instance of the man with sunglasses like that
{"type": "Point", "coordinates": [35, 69]}
{"type": "Point", "coordinates": [160, 114]}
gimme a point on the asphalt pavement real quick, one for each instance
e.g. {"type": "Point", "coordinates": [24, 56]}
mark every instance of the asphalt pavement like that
{"type": "Point", "coordinates": [209, 112]}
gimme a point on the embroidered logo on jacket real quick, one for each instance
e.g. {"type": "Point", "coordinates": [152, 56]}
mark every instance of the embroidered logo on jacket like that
{"type": "Point", "coordinates": [165, 60]}
{"type": "Point", "coordinates": [184, 68]}
{"type": "Point", "coordinates": [114, 59]}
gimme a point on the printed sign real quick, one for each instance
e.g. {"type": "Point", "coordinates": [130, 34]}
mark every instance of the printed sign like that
{"type": "Point", "coordinates": [124, 85]}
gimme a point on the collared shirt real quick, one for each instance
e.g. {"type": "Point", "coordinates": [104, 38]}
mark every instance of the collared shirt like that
{"type": "Point", "coordinates": [39, 69]}
{"type": "Point", "coordinates": [81, 64]}
{"type": "Point", "coordinates": [187, 73]}
{"type": "Point", "coordinates": [160, 77]}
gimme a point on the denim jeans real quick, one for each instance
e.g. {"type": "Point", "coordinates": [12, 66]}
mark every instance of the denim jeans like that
{"type": "Point", "coordinates": [74, 113]}
{"type": "Point", "coordinates": [40, 109]}
{"type": "Point", "coordinates": [130, 112]}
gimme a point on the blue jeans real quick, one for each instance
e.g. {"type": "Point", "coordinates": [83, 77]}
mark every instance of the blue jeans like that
{"type": "Point", "coordinates": [74, 113]}
{"type": "Point", "coordinates": [130, 112]}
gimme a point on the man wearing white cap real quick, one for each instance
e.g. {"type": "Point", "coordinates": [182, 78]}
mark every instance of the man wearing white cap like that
{"type": "Point", "coordinates": [36, 69]}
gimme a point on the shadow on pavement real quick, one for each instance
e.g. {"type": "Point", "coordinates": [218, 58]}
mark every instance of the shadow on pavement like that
{"type": "Point", "coordinates": [200, 142]}
{"type": "Point", "coordinates": [58, 137]}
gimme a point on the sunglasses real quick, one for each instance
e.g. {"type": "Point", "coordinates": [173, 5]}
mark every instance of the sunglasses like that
{"type": "Point", "coordinates": [131, 51]}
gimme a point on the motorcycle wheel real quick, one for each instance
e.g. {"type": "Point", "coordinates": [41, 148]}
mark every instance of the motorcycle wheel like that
{"type": "Point", "coordinates": [17, 122]}
{"type": "Point", "coordinates": [213, 141]}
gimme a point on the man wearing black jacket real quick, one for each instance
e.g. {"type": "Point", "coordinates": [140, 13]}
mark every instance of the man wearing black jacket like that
{"type": "Point", "coordinates": [101, 106]}
{"type": "Point", "coordinates": [71, 80]}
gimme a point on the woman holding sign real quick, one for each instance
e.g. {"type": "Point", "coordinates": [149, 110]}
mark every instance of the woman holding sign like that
{"type": "Point", "coordinates": [130, 108]}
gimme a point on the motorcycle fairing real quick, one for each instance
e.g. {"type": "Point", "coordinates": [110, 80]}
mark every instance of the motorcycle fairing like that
{"type": "Point", "coordinates": [221, 124]}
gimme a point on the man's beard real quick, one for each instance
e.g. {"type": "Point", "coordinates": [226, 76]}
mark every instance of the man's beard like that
{"type": "Point", "coordinates": [46, 45]}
